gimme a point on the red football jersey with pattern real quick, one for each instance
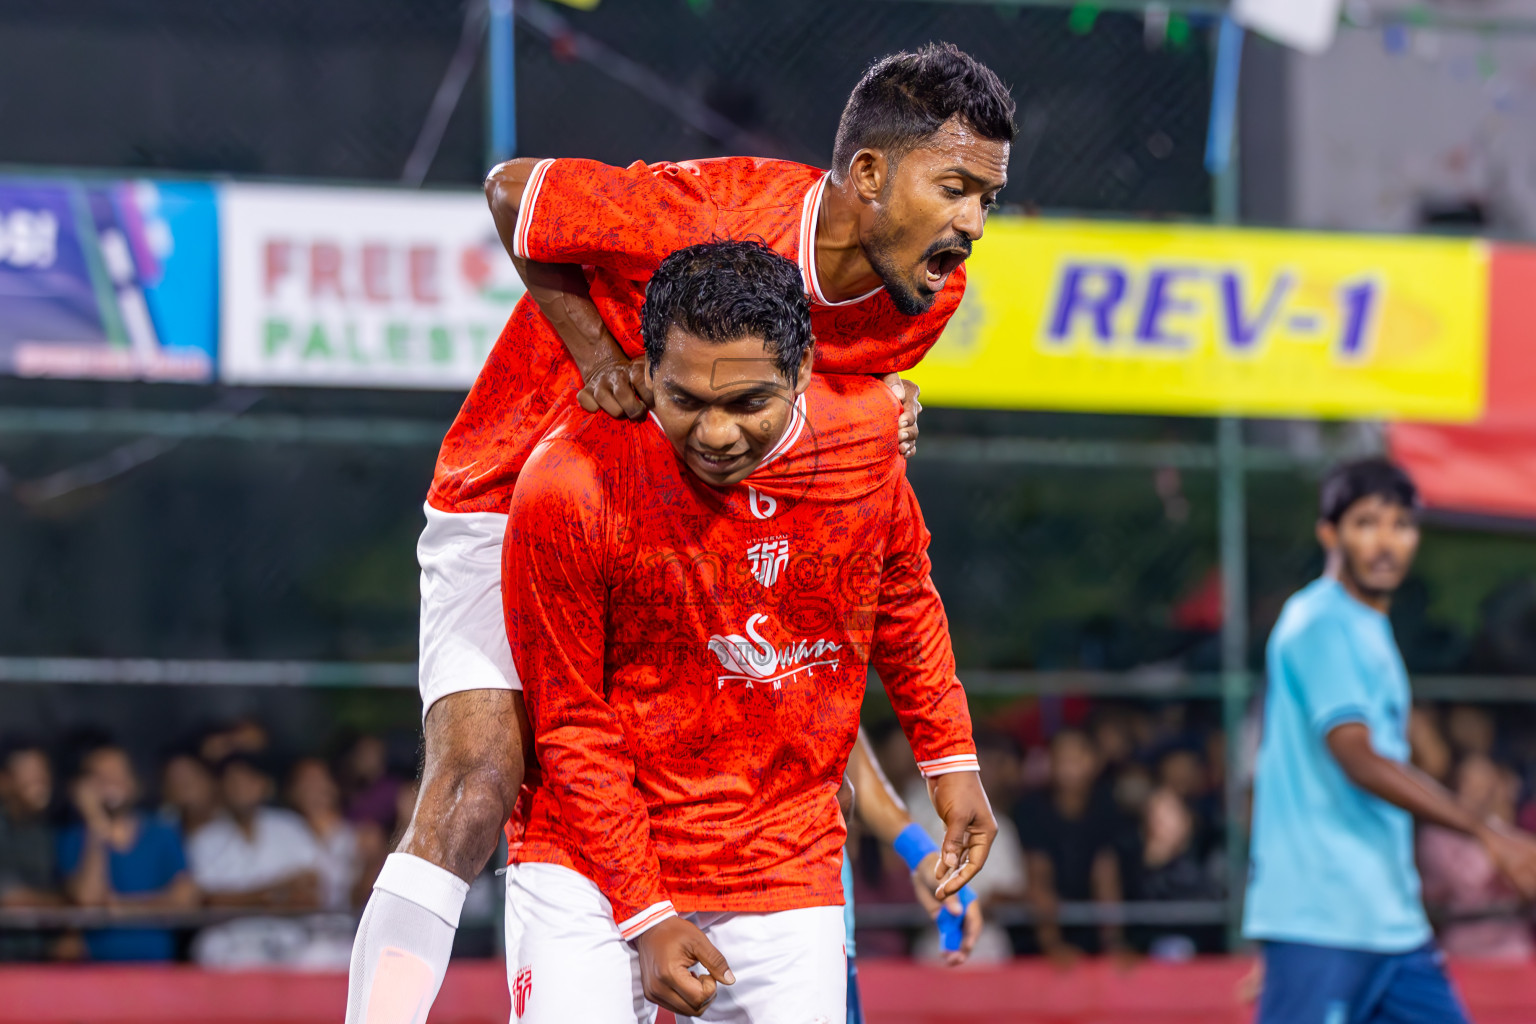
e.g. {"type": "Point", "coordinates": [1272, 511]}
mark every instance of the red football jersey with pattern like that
{"type": "Point", "coordinates": [694, 658]}
{"type": "Point", "coordinates": [620, 223]}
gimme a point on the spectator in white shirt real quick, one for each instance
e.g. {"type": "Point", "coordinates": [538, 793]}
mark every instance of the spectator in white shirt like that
{"type": "Point", "coordinates": [312, 791]}
{"type": "Point", "coordinates": [258, 856]}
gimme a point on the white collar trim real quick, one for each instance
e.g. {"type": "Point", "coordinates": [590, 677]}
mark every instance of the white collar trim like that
{"type": "Point", "coordinates": [810, 213]}
{"type": "Point", "coordinates": [791, 434]}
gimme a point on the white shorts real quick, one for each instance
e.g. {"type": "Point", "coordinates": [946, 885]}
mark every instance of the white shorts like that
{"type": "Point", "coordinates": [567, 964]}
{"type": "Point", "coordinates": [463, 625]}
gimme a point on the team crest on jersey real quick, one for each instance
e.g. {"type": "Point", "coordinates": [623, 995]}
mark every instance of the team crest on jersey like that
{"type": "Point", "coordinates": [763, 506]}
{"type": "Point", "coordinates": [522, 985]}
{"type": "Point", "coordinates": [768, 558]}
{"type": "Point", "coordinates": [751, 659]}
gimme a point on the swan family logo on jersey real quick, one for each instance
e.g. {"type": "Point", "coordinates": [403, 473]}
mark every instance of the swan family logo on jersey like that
{"type": "Point", "coordinates": [768, 559]}
{"type": "Point", "coordinates": [751, 659]}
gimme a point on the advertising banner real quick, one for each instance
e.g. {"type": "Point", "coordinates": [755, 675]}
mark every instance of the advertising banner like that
{"type": "Point", "coordinates": [109, 280]}
{"type": "Point", "coordinates": [1488, 468]}
{"type": "Point", "coordinates": [1099, 317]}
{"type": "Point", "coordinates": [359, 287]}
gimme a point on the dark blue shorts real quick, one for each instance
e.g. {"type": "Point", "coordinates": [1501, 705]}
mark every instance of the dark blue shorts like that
{"type": "Point", "coordinates": [1324, 985]}
{"type": "Point", "coordinates": [855, 1011]}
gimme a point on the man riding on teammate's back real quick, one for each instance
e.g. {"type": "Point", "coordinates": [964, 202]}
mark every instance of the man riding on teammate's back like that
{"type": "Point", "coordinates": [921, 153]}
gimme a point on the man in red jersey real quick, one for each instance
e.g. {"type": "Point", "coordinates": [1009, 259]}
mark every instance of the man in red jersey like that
{"type": "Point", "coordinates": [921, 153]}
{"type": "Point", "coordinates": [694, 604]}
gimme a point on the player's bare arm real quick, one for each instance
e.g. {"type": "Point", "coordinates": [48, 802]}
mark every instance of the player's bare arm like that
{"type": "Point", "coordinates": [1403, 785]}
{"type": "Point", "coordinates": [614, 382]}
{"type": "Point", "coordinates": [883, 812]}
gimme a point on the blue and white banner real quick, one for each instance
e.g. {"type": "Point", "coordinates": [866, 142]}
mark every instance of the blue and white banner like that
{"type": "Point", "coordinates": [249, 284]}
{"type": "Point", "coordinates": [108, 280]}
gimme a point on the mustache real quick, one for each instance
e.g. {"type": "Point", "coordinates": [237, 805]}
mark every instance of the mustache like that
{"type": "Point", "coordinates": [1381, 563]}
{"type": "Point", "coordinates": [957, 242]}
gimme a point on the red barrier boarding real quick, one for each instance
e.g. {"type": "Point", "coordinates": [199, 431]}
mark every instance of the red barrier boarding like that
{"type": "Point", "coordinates": [895, 992]}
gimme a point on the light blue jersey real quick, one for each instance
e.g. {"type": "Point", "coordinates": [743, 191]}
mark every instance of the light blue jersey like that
{"type": "Point", "coordinates": [848, 901]}
{"type": "Point", "coordinates": [1331, 864]}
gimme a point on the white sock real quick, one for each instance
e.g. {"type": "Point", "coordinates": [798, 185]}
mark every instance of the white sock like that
{"type": "Point", "coordinates": [403, 943]}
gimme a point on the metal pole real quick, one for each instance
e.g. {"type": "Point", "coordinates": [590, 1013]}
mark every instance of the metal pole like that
{"type": "Point", "coordinates": [501, 82]}
{"type": "Point", "coordinates": [1234, 655]}
{"type": "Point", "coordinates": [1221, 159]}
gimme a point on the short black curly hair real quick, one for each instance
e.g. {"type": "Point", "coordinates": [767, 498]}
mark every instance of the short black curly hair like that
{"type": "Point", "coordinates": [903, 100]}
{"type": "Point", "coordinates": [1374, 477]}
{"type": "Point", "coordinates": [725, 290]}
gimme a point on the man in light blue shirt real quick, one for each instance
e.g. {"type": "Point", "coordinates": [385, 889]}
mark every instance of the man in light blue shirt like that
{"type": "Point", "coordinates": [1333, 892]}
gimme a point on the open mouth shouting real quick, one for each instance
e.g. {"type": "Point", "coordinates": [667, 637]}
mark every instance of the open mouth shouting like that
{"type": "Point", "coordinates": [942, 258]}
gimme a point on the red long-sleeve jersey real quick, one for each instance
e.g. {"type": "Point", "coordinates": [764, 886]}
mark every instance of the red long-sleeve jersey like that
{"type": "Point", "coordinates": [620, 223]}
{"type": "Point", "coordinates": [694, 658]}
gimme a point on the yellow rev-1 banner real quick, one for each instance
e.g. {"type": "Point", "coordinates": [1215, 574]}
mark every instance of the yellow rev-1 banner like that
{"type": "Point", "coordinates": [1100, 317]}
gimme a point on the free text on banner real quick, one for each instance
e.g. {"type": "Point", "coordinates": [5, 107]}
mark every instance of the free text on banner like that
{"type": "Point", "coordinates": [354, 287]}
{"type": "Point", "coordinates": [1099, 317]}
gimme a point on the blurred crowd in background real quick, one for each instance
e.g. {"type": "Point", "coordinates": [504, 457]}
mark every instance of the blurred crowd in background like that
{"type": "Point", "coordinates": [1107, 803]}
{"type": "Point", "coordinates": [235, 854]}
{"type": "Point", "coordinates": [290, 849]}
{"type": "Point", "coordinates": [1097, 803]}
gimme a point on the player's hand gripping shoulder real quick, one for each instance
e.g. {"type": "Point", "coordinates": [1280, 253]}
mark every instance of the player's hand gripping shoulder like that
{"type": "Point", "coordinates": [969, 829]}
{"type": "Point", "coordinates": [668, 951]}
{"type": "Point", "coordinates": [616, 385]}
{"type": "Point", "coordinates": [906, 392]}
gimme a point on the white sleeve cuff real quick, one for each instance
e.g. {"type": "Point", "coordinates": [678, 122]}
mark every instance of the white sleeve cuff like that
{"type": "Point", "coordinates": [647, 919]}
{"type": "Point", "coordinates": [525, 209]}
{"type": "Point", "coordinates": [424, 884]}
{"type": "Point", "coordinates": [948, 765]}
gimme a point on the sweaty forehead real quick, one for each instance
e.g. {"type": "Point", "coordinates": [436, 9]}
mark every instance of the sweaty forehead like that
{"type": "Point", "coordinates": [957, 144]}
{"type": "Point", "coordinates": [703, 367]}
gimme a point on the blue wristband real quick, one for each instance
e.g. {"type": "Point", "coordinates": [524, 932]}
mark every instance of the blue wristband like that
{"type": "Point", "coordinates": [952, 926]}
{"type": "Point", "coordinates": [914, 844]}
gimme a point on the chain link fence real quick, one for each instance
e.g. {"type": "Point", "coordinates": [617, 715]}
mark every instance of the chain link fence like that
{"type": "Point", "coordinates": [1062, 543]}
{"type": "Point", "coordinates": [1108, 120]}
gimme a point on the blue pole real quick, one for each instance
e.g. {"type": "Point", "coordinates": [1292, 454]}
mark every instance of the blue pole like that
{"type": "Point", "coordinates": [1223, 121]}
{"type": "Point", "coordinates": [502, 82]}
